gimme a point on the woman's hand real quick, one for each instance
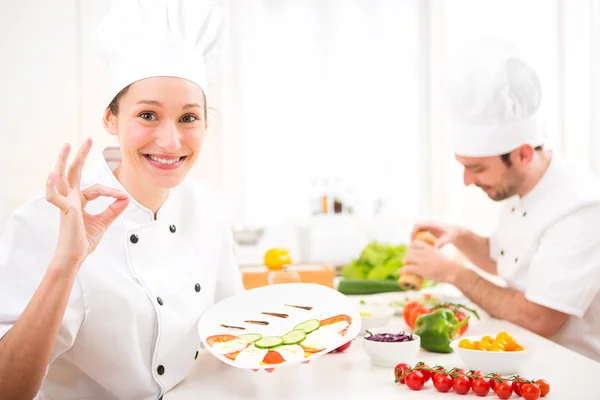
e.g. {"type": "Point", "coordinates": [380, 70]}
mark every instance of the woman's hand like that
{"type": "Point", "coordinates": [79, 232]}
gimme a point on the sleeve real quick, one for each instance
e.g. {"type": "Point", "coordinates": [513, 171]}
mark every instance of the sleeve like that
{"type": "Point", "coordinates": [26, 248]}
{"type": "Point", "coordinates": [565, 271]}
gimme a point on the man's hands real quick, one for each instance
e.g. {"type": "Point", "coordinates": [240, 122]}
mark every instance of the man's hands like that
{"type": "Point", "coordinates": [428, 261]}
{"type": "Point", "coordinates": [444, 233]}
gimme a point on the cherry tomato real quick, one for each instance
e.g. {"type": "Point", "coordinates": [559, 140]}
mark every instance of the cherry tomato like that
{"type": "Point", "coordinates": [441, 382]}
{"type": "Point", "coordinates": [426, 374]}
{"type": "Point", "coordinates": [415, 380]}
{"type": "Point", "coordinates": [503, 390]}
{"type": "Point", "coordinates": [461, 385]}
{"type": "Point", "coordinates": [342, 347]}
{"type": "Point", "coordinates": [400, 370]}
{"type": "Point", "coordinates": [480, 386]}
{"type": "Point", "coordinates": [493, 381]}
{"type": "Point", "coordinates": [544, 387]}
{"type": "Point", "coordinates": [530, 391]}
{"type": "Point", "coordinates": [516, 386]}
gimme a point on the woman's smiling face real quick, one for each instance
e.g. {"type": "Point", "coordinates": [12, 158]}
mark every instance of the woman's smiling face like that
{"type": "Point", "coordinates": [161, 123]}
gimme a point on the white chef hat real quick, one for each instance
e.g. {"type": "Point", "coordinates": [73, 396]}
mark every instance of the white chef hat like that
{"type": "Point", "coordinates": [148, 38]}
{"type": "Point", "coordinates": [495, 97]}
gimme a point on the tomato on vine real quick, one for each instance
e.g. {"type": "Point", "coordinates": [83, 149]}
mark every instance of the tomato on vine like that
{"type": "Point", "coordinates": [415, 380]}
{"type": "Point", "coordinates": [503, 389]}
{"type": "Point", "coordinates": [442, 382]}
{"type": "Point", "coordinates": [400, 370]}
{"type": "Point", "coordinates": [530, 391]}
{"type": "Point", "coordinates": [544, 387]}
{"type": "Point", "coordinates": [461, 385]}
{"type": "Point", "coordinates": [480, 386]}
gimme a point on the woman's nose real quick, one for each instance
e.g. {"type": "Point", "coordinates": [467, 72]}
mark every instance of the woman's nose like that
{"type": "Point", "coordinates": [169, 139]}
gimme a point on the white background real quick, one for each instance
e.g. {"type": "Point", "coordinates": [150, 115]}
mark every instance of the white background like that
{"type": "Point", "coordinates": [311, 90]}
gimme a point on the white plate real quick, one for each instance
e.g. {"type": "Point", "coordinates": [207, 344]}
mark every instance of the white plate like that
{"type": "Point", "coordinates": [251, 305]}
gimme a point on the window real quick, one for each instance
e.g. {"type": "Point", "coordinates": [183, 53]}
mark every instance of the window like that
{"type": "Point", "coordinates": [350, 93]}
{"type": "Point", "coordinates": [330, 93]}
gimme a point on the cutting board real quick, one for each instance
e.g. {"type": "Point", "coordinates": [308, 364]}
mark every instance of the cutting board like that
{"type": "Point", "coordinates": [256, 276]}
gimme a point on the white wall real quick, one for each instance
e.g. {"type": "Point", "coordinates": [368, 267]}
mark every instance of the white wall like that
{"type": "Point", "coordinates": [39, 91]}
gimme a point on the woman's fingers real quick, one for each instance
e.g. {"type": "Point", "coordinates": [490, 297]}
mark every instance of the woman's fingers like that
{"type": "Point", "coordinates": [61, 162]}
{"type": "Point", "coordinates": [53, 196]}
{"type": "Point", "coordinates": [76, 167]}
{"type": "Point", "coordinates": [95, 191]}
{"type": "Point", "coordinates": [108, 216]}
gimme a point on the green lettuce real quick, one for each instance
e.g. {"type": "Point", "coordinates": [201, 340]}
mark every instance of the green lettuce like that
{"type": "Point", "coordinates": [377, 261]}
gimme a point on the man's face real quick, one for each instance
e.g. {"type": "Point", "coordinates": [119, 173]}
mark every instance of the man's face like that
{"type": "Point", "coordinates": [498, 180]}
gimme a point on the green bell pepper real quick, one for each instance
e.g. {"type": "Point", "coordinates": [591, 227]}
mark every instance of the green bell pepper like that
{"type": "Point", "coordinates": [438, 329]}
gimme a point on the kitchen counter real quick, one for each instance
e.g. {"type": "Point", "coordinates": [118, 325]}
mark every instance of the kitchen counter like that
{"type": "Point", "coordinates": [350, 375]}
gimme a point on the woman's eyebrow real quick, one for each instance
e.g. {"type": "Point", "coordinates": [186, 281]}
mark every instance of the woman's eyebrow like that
{"type": "Point", "coordinates": [191, 105]}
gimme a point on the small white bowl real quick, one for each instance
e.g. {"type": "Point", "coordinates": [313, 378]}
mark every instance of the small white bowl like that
{"type": "Point", "coordinates": [389, 354]}
{"type": "Point", "coordinates": [379, 318]}
{"type": "Point", "coordinates": [502, 362]}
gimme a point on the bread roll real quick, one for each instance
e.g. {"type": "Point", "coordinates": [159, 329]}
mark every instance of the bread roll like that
{"type": "Point", "coordinates": [412, 281]}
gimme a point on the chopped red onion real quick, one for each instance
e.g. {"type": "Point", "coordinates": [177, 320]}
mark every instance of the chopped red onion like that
{"type": "Point", "coordinates": [389, 337]}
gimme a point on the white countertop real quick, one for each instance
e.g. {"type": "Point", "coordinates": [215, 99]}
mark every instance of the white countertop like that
{"type": "Point", "coordinates": [350, 375]}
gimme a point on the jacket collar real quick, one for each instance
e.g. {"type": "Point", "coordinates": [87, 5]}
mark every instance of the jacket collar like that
{"type": "Point", "coordinates": [549, 181]}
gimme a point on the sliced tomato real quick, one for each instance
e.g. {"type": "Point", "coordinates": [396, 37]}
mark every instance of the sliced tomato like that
{"type": "Point", "coordinates": [273, 357]}
{"type": "Point", "coordinates": [337, 318]}
{"type": "Point", "coordinates": [219, 339]}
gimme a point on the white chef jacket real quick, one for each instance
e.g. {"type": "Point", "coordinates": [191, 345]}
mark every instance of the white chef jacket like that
{"type": "Point", "coordinates": [130, 327]}
{"type": "Point", "coordinates": [547, 245]}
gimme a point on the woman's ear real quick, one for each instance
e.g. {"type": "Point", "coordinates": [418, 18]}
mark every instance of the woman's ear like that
{"type": "Point", "coordinates": [110, 122]}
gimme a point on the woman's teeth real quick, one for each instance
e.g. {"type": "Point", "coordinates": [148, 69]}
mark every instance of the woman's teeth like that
{"type": "Point", "coordinates": [164, 161]}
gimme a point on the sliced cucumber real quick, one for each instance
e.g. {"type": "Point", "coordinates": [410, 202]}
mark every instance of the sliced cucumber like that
{"type": "Point", "coordinates": [309, 326]}
{"type": "Point", "coordinates": [268, 342]}
{"type": "Point", "coordinates": [250, 337]}
{"type": "Point", "coordinates": [294, 337]}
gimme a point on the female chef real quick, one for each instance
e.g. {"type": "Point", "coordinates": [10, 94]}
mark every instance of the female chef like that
{"type": "Point", "coordinates": [103, 281]}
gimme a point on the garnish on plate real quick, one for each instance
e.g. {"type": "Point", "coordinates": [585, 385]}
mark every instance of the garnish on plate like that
{"type": "Point", "coordinates": [233, 327]}
{"type": "Point", "coordinates": [278, 315]}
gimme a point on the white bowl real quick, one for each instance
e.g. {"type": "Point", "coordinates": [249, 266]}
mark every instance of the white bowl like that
{"type": "Point", "coordinates": [389, 354]}
{"type": "Point", "coordinates": [502, 362]}
{"type": "Point", "coordinates": [379, 318]}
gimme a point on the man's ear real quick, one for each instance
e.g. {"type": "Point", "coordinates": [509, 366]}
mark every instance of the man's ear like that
{"type": "Point", "coordinates": [525, 154]}
{"type": "Point", "coordinates": [110, 122]}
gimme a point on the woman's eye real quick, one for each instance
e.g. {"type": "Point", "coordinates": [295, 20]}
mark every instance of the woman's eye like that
{"type": "Point", "coordinates": [148, 116]}
{"type": "Point", "coordinates": [188, 118]}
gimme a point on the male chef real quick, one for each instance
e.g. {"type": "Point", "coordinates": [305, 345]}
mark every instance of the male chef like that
{"type": "Point", "coordinates": [546, 243]}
